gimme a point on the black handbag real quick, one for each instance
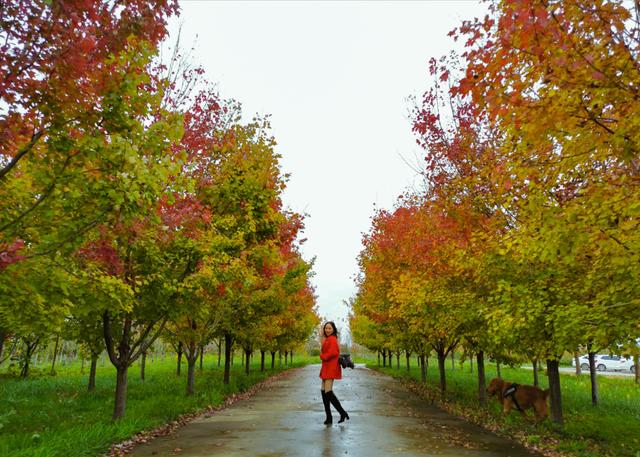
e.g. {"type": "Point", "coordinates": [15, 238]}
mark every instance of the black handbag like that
{"type": "Point", "coordinates": [345, 361]}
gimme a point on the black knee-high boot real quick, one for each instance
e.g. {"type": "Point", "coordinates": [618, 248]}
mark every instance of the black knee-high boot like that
{"type": "Point", "coordinates": [336, 404]}
{"type": "Point", "coordinates": [327, 408]}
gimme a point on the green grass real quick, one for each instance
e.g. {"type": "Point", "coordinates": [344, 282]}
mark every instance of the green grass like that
{"type": "Point", "coordinates": [610, 429]}
{"type": "Point", "coordinates": [56, 416]}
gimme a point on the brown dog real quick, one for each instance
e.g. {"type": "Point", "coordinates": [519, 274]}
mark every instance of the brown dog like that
{"type": "Point", "coordinates": [519, 396]}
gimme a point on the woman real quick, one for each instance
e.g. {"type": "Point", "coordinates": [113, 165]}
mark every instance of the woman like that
{"type": "Point", "coordinates": [330, 370]}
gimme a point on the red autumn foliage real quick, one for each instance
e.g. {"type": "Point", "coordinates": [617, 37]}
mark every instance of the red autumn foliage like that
{"type": "Point", "coordinates": [103, 253]}
{"type": "Point", "coordinates": [10, 253]}
{"type": "Point", "coordinates": [563, 70]}
{"type": "Point", "coordinates": [54, 61]}
{"type": "Point", "coordinates": [184, 213]}
{"type": "Point", "coordinates": [201, 124]}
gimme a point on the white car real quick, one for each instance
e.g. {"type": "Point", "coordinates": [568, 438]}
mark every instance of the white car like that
{"type": "Point", "coordinates": [614, 362]}
{"type": "Point", "coordinates": [584, 361]}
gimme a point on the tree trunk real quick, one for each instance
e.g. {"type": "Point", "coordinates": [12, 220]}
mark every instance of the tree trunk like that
{"type": "Point", "coordinates": [398, 359]}
{"type": "Point", "coordinates": [127, 353]}
{"type": "Point", "coordinates": [92, 372]}
{"type": "Point", "coordinates": [201, 357]}
{"type": "Point", "coordinates": [536, 381]}
{"type": "Point", "coordinates": [576, 358]}
{"type": "Point", "coordinates": [55, 355]}
{"type": "Point", "coordinates": [31, 347]}
{"type": "Point", "coordinates": [11, 351]}
{"type": "Point", "coordinates": [228, 342]}
{"type": "Point", "coordinates": [178, 368]}
{"type": "Point", "coordinates": [555, 392]}
{"type": "Point", "coordinates": [384, 358]}
{"type": "Point", "coordinates": [3, 336]}
{"type": "Point", "coordinates": [286, 358]}
{"type": "Point", "coordinates": [143, 363]}
{"type": "Point", "coordinates": [24, 372]}
{"type": "Point", "coordinates": [636, 365]}
{"type": "Point", "coordinates": [443, 380]}
{"type": "Point", "coordinates": [390, 359]}
{"type": "Point", "coordinates": [595, 396]}
{"type": "Point", "coordinates": [219, 351]}
{"type": "Point", "coordinates": [247, 360]}
{"type": "Point", "coordinates": [121, 392]}
{"type": "Point", "coordinates": [498, 369]}
{"type": "Point", "coordinates": [423, 369]}
{"type": "Point", "coordinates": [471, 364]}
{"type": "Point", "coordinates": [191, 372]}
{"type": "Point", "coordinates": [273, 360]}
{"type": "Point", "coordinates": [482, 380]}
{"type": "Point", "coordinates": [261, 360]}
{"type": "Point", "coordinates": [408, 355]}
{"type": "Point", "coordinates": [290, 357]}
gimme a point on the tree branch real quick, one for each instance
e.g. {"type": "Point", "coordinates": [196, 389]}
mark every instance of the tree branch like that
{"type": "Point", "coordinates": [108, 339]}
{"type": "Point", "coordinates": [145, 346]}
{"type": "Point", "coordinates": [21, 153]}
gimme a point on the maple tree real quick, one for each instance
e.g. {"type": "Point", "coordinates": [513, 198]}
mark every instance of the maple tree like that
{"type": "Point", "coordinates": [81, 118]}
{"type": "Point", "coordinates": [85, 327]}
{"type": "Point", "coordinates": [297, 317]}
{"type": "Point", "coordinates": [531, 146]}
{"type": "Point", "coordinates": [132, 205]}
{"type": "Point", "coordinates": [464, 172]}
{"type": "Point", "coordinates": [242, 239]}
{"type": "Point", "coordinates": [417, 304]}
{"type": "Point", "coordinates": [68, 78]}
{"type": "Point", "coordinates": [35, 304]}
{"type": "Point", "coordinates": [558, 79]}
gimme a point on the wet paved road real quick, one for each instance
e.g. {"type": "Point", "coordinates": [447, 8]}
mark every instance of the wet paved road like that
{"type": "Point", "coordinates": [286, 420]}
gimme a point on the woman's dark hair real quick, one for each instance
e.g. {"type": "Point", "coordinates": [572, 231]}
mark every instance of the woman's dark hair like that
{"type": "Point", "coordinates": [335, 330]}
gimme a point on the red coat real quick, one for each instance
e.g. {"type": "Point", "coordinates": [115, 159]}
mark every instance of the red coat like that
{"type": "Point", "coordinates": [331, 369]}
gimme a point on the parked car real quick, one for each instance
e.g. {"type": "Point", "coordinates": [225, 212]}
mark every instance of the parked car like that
{"type": "Point", "coordinates": [614, 362]}
{"type": "Point", "coordinates": [584, 361]}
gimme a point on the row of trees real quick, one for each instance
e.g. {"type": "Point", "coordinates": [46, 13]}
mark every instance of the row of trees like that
{"type": "Point", "coordinates": [525, 242]}
{"type": "Point", "coordinates": [134, 201]}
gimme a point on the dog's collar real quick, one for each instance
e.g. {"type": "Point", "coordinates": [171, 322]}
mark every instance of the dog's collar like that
{"type": "Point", "coordinates": [510, 392]}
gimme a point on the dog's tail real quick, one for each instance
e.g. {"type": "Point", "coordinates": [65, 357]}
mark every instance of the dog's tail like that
{"type": "Point", "coordinates": [546, 393]}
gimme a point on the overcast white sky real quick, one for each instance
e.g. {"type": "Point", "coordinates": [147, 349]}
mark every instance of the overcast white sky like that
{"type": "Point", "coordinates": [335, 77]}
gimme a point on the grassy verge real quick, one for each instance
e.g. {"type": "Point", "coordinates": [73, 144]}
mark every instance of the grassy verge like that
{"type": "Point", "coordinates": [56, 416]}
{"type": "Point", "coordinates": [610, 429]}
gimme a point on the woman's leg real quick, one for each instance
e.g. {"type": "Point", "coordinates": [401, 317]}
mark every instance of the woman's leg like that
{"type": "Point", "coordinates": [332, 399]}
{"type": "Point", "coordinates": [327, 385]}
{"type": "Point", "coordinates": [326, 403]}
